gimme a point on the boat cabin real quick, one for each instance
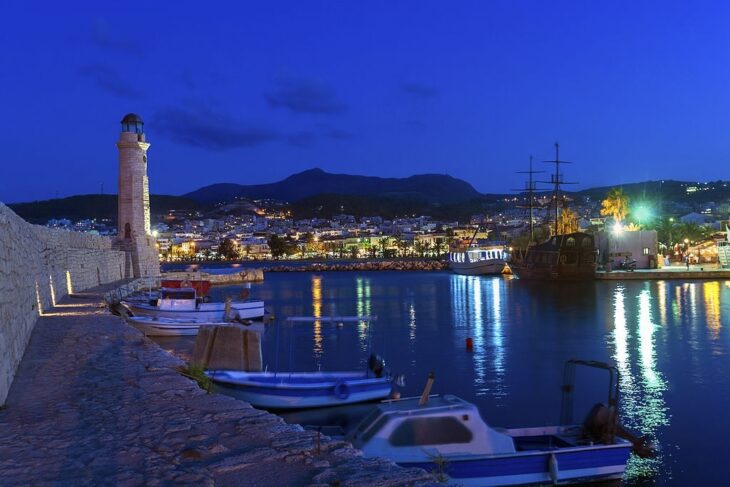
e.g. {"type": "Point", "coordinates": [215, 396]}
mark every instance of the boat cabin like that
{"type": "Point", "coordinates": [184, 298]}
{"type": "Point", "coordinates": [446, 425]}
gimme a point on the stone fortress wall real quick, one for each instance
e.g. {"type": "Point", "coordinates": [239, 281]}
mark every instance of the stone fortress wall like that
{"type": "Point", "coordinates": [39, 266]}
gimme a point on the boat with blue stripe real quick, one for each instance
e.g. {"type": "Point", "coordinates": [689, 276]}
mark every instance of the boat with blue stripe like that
{"type": "Point", "coordinates": [447, 435]}
{"type": "Point", "coordinates": [301, 390]}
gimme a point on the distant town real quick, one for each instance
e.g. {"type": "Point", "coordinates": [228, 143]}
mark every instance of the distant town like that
{"type": "Point", "coordinates": [264, 229]}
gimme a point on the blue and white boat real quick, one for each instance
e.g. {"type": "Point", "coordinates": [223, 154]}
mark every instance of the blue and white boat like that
{"type": "Point", "coordinates": [300, 390]}
{"type": "Point", "coordinates": [447, 435]}
{"type": "Point", "coordinates": [185, 304]}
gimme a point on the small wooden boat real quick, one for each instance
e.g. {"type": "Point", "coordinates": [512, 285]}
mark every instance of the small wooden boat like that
{"type": "Point", "coordinates": [447, 435]}
{"type": "Point", "coordinates": [184, 303]}
{"type": "Point", "coordinates": [299, 390]}
{"type": "Point", "coordinates": [156, 327]}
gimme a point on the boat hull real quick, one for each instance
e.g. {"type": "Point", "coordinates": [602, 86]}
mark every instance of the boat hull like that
{"type": "Point", "coordinates": [480, 268]}
{"type": "Point", "coordinates": [578, 465]}
{"type": "Point", "coordinates": [553, 273]}
{"type": "Point", "coordinates": [300, 390]}
{"type": "Point", "coordinates": [211, 312]}
{"type": "Point", "coordinates": [156, 327]}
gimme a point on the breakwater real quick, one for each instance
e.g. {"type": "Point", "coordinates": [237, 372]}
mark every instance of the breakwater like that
{"type": "Point", "coordinates": [95, 402]}
{"type": "Point", "coordinates": [387, 265]}
{"type": "Point", "coordinates": [38, 267]}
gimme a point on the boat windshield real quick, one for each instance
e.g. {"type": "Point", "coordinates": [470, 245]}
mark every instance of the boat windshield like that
{"type": "Point", "coordinates": [177, 294]}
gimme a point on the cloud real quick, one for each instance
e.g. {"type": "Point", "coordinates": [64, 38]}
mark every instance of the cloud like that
{"type": "Point", "coordinates": [304, 96]}
{"type": "Point", "coordinates": [110, 80]}
{"type": "Point", "coordinates": [302, 139]}
{"type": "Point", "coordinates": [203, 127]}
{"type": "Point", "coordinates": [101, 37]}
{"type": "Point", "coordinates": [419, 90]}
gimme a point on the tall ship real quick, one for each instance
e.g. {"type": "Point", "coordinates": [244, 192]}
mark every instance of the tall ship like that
{"type": "Point", "coordinates": [568, 257]}
{"type": "Point", "coordinates": [564, 256]}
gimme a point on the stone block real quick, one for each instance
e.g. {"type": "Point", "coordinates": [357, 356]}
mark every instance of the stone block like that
{"type": "Point", "coordinates": [230, 347]}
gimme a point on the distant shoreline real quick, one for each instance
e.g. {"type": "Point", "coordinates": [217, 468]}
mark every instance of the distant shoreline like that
{"type": "Point", "coordinates": [344, 265]}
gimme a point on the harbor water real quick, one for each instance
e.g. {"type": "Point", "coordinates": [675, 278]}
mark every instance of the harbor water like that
{"type": "Point", "coordinates": [668, 339]}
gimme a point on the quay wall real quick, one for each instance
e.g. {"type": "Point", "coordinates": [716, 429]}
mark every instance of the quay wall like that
{"type": "Point", "coordinates": [39, 266]}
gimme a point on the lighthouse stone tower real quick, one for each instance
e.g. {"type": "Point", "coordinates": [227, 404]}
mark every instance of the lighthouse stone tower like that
{"type": "Point", "coordinates": [134, 235]}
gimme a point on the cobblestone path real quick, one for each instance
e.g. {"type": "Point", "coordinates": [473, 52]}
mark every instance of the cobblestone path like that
{"type": "Point", "coordinates": [94, 402]}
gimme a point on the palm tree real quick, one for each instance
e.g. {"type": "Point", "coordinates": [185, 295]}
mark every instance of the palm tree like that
{"type": "Point", "coordinates": [615, 205]}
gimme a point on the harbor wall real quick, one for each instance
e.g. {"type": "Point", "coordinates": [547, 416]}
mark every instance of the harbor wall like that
{"type": "Point", "coordinates": [39, 266]}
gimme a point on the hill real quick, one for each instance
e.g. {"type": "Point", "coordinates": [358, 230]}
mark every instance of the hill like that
{"type": "Point", "coordinates": [430, 188]}
{"type": "Point", "coordinates": [99, 206]}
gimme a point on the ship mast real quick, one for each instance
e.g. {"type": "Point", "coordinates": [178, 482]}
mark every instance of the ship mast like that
{"type": "Point", "coordinates": [557, 180]}
{"type": "Point", "coordinates": [530, 188]}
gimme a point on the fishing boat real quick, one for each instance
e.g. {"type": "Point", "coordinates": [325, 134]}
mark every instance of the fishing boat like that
{"type": "Point", "coordinates": [184, 303]}
{"type": "Point", "coordinates": [300, 390]}
{"type": "Point", "coordinates": [479, 260]}
{"type": "Point", "coordinates": [447, 435]}
{"type": "Point", "coordinates": [154, 326]}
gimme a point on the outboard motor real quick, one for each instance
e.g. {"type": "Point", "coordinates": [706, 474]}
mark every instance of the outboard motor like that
{"type": "Point", "coordinates": [376, 364]}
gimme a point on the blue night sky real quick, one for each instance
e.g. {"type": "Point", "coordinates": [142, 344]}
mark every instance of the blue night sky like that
{"type": "Point", "coordinates": [252, 92]}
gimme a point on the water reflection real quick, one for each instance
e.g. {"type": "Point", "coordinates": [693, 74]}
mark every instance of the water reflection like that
{"type": "Point", "coordinates": [477, 313]}
{"type": "Point", "coordinates": [317, 312]}
{"type": "Point", "coordinates": [643, 408]}
{"type": "Point", "coordinates": [364, 308]}
{"type": "Point", "coordinates": [711, 294]}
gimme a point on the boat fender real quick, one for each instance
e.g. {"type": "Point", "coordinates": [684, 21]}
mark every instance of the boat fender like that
{"type": "Point", "coordinates": [341, 390]}
{"type": "Point", "coordinates": [553, 468]}
{"type": "Point", "coordinates": [376, 364]}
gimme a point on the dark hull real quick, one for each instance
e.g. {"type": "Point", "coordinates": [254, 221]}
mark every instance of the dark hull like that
{"type": "Point", "coordinates": [553, 272]}
{"type": "Point", "coordinates": [570, 257]}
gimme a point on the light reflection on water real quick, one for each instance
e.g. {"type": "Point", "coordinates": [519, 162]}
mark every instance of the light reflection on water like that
{"type": "Point", "coordinates": [665, 337]}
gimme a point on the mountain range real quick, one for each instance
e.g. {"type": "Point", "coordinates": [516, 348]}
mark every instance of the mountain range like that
{"type": "Point", "coordinates": [431, 188]}
{"type": "Point", "coordinates": [317, 193]}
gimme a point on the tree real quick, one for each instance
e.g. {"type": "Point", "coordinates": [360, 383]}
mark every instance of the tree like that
{"type": "Point", "coordinates": [568, 221]}
{"type": "Point", "coordinates": [277, 246]}
{"type": "Point", "coordinates": [227, 249]}
{"type": "Point", "coordinates": [615, 205]}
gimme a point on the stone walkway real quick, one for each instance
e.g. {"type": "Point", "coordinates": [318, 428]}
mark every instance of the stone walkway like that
{"type": "Point", "coordinates": [94, 402]}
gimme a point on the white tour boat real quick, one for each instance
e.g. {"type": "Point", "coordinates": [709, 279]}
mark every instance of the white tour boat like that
{"type": "Point", "coordinates": [183, 303]}
{"type": "Point", "coordinates": [481, 260]}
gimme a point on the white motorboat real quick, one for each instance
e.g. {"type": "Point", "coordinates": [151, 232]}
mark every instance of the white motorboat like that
{"type": "Point", "coordinates": [481, 260]}
{"type": "Point", "coordinates": [156, 327]}
{"type": "Point", "coordinates": [447, 435]}
{"type": "Point", "coordinates": [299, 390]}
{"type": "Point", "coordinates": [183, 303]}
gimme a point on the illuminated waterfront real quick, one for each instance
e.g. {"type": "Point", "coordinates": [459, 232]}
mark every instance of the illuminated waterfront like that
{"type": "Point", "coordinates": [666, 338]}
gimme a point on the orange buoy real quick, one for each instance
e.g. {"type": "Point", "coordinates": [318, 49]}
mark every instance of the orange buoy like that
{"type": "Point", "coordinates": [469, 344]}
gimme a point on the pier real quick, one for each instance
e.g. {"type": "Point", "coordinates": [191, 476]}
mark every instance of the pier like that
{"type": "Point", "coordinates": [697, 271]}
{"type": "Point", "coordinates": [94, 402]}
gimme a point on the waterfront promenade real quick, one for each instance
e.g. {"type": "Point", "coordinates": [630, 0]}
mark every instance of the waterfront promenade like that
{"type": "Point", "coordinates": [94, 402]}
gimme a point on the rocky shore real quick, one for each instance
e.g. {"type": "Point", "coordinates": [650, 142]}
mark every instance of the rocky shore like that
{"type": "Point", "coordinates": [386, 265]}
{"type": "Point", "coordinates": [96, 403]}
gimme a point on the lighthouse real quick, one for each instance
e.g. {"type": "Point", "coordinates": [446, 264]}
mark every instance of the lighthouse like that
{"type": "Point", "coordinates": [133, 217]}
